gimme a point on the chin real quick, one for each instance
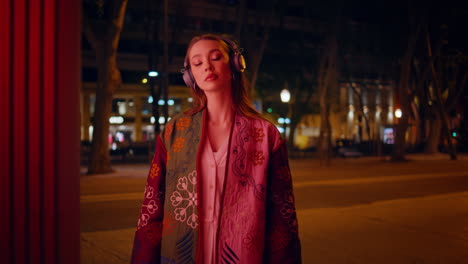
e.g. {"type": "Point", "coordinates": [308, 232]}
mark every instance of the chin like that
{"type": "Point", "coordinates": [213, 86]}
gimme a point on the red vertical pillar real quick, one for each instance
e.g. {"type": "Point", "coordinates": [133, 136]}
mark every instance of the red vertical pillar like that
{"type": "Point", "coordinates": [33, 101]}
{"type": "Point", "coordinates": [68, 137]}
{"type": "Point", "coordinates": [5, 132]}
{"type": "Point", "coordinates": [49, 131]}
{"type": "Point", "coordinates": [39, 131]}
{"type": "Point", "coordinates": [18, 137]}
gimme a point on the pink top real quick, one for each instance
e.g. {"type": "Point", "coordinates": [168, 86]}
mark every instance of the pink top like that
{"type": "Point", "coordinates": [213, 169]}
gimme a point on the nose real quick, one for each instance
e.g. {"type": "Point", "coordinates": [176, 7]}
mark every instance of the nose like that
{"type": "Point", "coordinates": [208, 66]}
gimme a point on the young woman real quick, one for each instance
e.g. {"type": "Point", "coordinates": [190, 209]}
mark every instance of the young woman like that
{"type": "Point", "coordinates": [219, 189]}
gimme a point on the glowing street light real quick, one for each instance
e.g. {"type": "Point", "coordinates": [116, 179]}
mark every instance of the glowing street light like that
{"type": "Point", "coordinates": [153, 74]}
{"type": "Point", "coordinates": [398, 113]}
{"type": "Point", "coordinates": [285, 96]}
{"type": "Point", "coordinates": [116, 120]}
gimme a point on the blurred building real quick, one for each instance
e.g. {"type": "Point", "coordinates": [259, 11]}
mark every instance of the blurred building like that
{"type": "Point", "coordinates": [132, 118]}
{"type": "Point", "coordinates": [362, 111]}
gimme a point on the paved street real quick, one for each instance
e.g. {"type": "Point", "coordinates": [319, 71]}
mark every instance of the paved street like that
{"type": "Point", "coordinates": [356, 211]}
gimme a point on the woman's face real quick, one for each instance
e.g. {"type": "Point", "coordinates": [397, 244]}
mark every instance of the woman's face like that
{"type": "Point", "coordinates": [209, 63]}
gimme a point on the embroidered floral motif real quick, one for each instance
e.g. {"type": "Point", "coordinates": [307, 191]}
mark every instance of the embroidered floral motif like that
{"type": "Point", "coordinates": [168, 131]}
{"type": "Point", "coordinates": [169, 223]}
{"type": "Point", "coordinates": [149, 206]}
{"type": "Point", "coordinates": [252, 240]}
{"type": "Point", "coordinates": [185, 200]}
{"type": "Point", "coordinates": [183, 123]}
{"type": "Point", "coordinates": [284, 173]}
{"type": "Point", "coordinates": [154, 172]}
{"type": "Point", "coordinates": [179, 144]}
{"type": "Point", "coordinates": [287, 209]}
{"type": "Point", "coordinates": [244, 161]}
{"type": "Point", "coordinates": [143, 220]}
{"type": "Point", "coordinates": [149, 192]}
{"type": "Point", "coordinates": [257, 157]}
{"type": "Point", "coordinates": [257, 134]}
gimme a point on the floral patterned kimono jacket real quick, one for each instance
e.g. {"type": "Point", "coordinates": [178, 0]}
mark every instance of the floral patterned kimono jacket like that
{"type": "Point", "coordinates": [257, 223]}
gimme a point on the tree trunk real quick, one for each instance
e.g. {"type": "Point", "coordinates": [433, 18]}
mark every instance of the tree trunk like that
{"type": "Point", "coordinates": [417, 124]}
{"type": "Point", "coordinates": [108, 80]}
{"type": "Point", "coordinates": [325, 131]}
{"type": "Point", "coordinates": [441, 104]}
{"type": "Point", "coordinates": [327, 83]}
{"type": "Point", "coordinates": [370, 137]}
{"type": "Point", "coordinates": [400, 138]}
{"type": "Point", "coordinates": [292, 130]}
{"type": "Point", "coordinates": [293, 116]}
{"type": "Point", "coordinates": [154, 89]}
{"type": "Point", "coordinates": [403, 92]}
{"type": "Point", "coordinates": [446, 130]}
{"type": "Point", "coordinates": [325, 127]}
{"type": "Point", "coordinates": [259, 55]}
{"type": "Point", "coordinates": [104, 36]}
{"type": "Point", "coordinates": [240, 19]}
{"type": "Point", "coordinates": [165, 64]}
{"type": "Point", "coordinates": [432, 145]}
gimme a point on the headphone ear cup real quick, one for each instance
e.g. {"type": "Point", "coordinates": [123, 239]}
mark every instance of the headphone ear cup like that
{"type": "Point", "coordinates": [236, 57]}
{"type": "Point", "coordinates": [188, 78]}
{"type": "Point", "coordinates": [242, 64]}
{"type": "Point", "coordinates": [238, 62]}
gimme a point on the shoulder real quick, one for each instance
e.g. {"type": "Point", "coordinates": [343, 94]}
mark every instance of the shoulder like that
{"type": "Point", "coordinates": [174, 119]}
{"type": "Point", "coordinates": [182, 120]}
{"type": "Point", "coordinates": [263, 128]}
{"type": "Point", "coordinates": [180, 124]}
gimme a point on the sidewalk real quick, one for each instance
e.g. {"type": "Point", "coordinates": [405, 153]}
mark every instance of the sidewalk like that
{"type": "Point", "coordinates": [386, 233]}
{"type": "Point", "coordinates": [424, 230]}
{"type": "Point", "coordinates": [375, 167]}
{"type": "Point", "coordinates": [379, 231]}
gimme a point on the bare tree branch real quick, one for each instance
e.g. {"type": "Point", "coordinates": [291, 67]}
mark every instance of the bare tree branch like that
{"type": "Point", "coordinates": [117, 22]}
{"type": "Point", "coordinates": [89, 33]}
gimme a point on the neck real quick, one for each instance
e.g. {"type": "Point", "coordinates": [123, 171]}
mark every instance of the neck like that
{"type": "Point", "coordinates": [220, 107]}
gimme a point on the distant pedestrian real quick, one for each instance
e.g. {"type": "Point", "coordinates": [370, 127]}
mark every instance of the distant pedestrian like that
{"type": "Point", "coordinates": [219, 189]}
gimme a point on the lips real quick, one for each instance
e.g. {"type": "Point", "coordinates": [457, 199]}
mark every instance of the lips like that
{"type": "Point", "coordinates": [211, 77]}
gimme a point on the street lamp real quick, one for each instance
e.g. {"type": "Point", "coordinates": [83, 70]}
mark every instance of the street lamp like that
{"type": "Point", "coordinates": [153, 74]}
{"type": "Point", "coordinates": [398, 113]}
{"type": "Point", "coordinates": [285, 97]}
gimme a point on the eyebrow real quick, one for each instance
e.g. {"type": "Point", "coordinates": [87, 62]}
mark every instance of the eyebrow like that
{"type": "Point", "coordinates": [211, 51]}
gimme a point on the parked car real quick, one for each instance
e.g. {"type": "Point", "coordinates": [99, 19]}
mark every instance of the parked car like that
{"type": "Point", "coordinates": [347, 149]}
